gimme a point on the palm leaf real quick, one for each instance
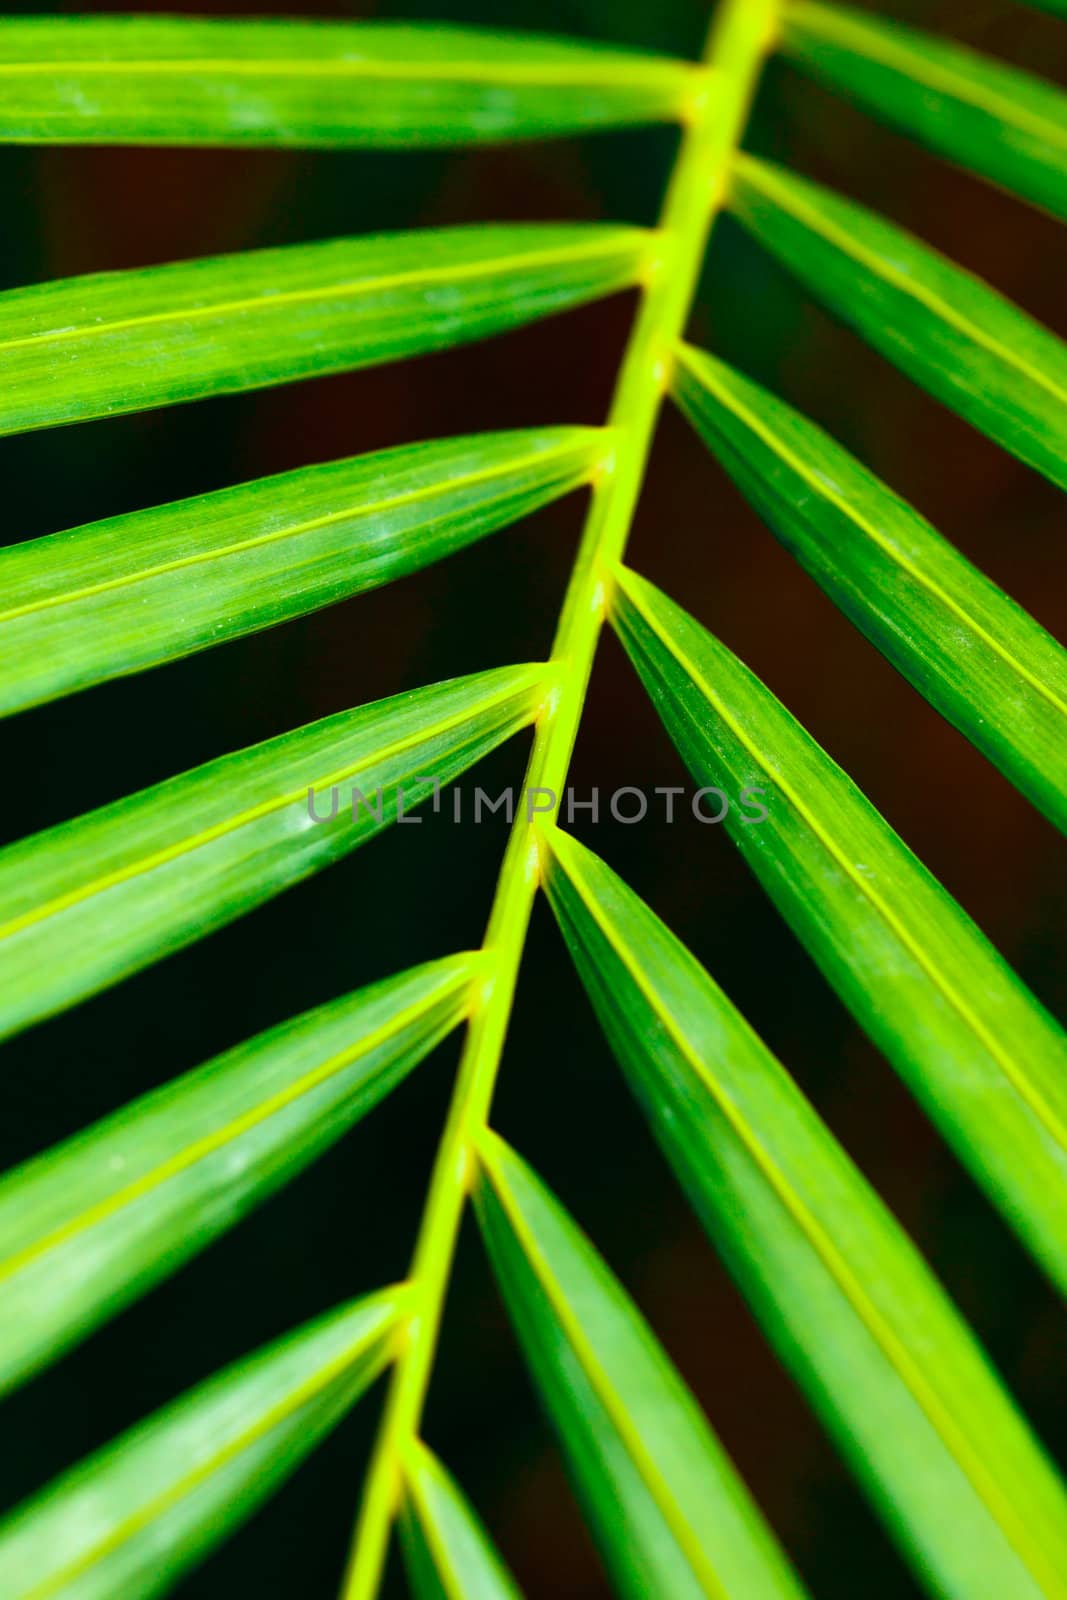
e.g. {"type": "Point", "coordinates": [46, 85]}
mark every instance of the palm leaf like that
{"type": "Point", "coordinates": [447, 1551]}
{"type": "Point", "coordinates": [86, 903]}
{"type": "Point", "coordinates": [982, 1055]}
{"type": "Point", "coordinates": [101, 1218]}
{"type": "Point", "coordinates": [978, 657]}
{"type": "Point", "coordinates": [845, 1297]}
{"type": "Point", "coordinates": [126, 1523]}
{"type": "Point", "coordinates": [670, 1515]}
{"type": "Point", "coordinates": [969, 346]}
{"type": "Point", "coordinates": [136, 590]}
{"type": "Point", "coordinates": [111, 342]}
{"type": "Point", "coordinates": [194, 80]}
{"type": "Point", "coordinates": [1002, 123]}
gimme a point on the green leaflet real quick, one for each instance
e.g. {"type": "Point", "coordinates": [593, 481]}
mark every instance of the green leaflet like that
{"type": "Point", "coordinates": [136, 590]}
{"type": "Point", "coordinates": [95, 1222]}
{"type": "Point", "coordinates": [128, 1521]}
{"type": "Point", "coordinates": [844, 1295]}
{"type": "Point", "coordinates": [975, 655]}
{"type": "Point", "coordinates": [969, 346]}
{"type": "Point", "coordinates": [1004, 124]}
{"type": "Point", "coordinates": [123, 341]}
{"type": "Point", "coordinates": [86, 903]}
{"type": "Point", "coordinates": [447, 1551]}
{"type": "Point", "coordinates": [987, 1062]}
{"type": "Point", "coordinates": [191, 80]}
{"type": "Point", "coordinates": [670, 1515]}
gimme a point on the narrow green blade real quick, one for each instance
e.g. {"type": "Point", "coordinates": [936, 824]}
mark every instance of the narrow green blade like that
{"type": "Point", "coordinates": [95, 1222]}
{"type": "Point", "coordinates": [86, 903]}
{"type": "Point", "coordinates": [987, 1062]}
{"type": "Point", "coordinates": [449, 1555]}
{"type": "Point", "coordinates": [843, 1294]}
{"type": "Point", "coordinates": [124, 341]}
{"type": "Point", "coordinates": [969, 346]}
{"type": "Point", "coordinates": [126, 1523]}
{"type": "Point", "coordinates": [977, 656]}
{"type": "Point", "coordinates": [1002, 123]}
{"type": "Point", "coordinates": [669, 1513]}
{"type": "Point", "coordinates": [130, 592]}
{"type": "Point", "coordinates": [197, 81]}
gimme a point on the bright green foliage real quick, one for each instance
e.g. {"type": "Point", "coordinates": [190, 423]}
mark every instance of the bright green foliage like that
{"type": "Point", "coordinates": [130, 592]}
{"type": "Point", "coordinates": [191, 80]}
{"type": "Point", "coordinates": [99, 1219]}
{"type": "Point", "coordinates": [670, 1514]}
{"type": "Point", "coordinates": [448, 1553]}
{"type": "Point", "coordinates": [123, 341]}
{"type": "Point", "coordinates": [1002, 123]}
{"type": "Point", "coordinates": [127, 1522]}
{"type": "Point", "coordinates": [842, 1292]}
{"type": "Point", "coordinates": [969, 346]}
{"type": "Point", "coordinates": [989, 1064]}
{"type": "Point", "coordinates": [843, 1295]}
{"type": "Point", "coordinates": [86, 903]}
{"type": "Point", "coordinates": [976, 655]}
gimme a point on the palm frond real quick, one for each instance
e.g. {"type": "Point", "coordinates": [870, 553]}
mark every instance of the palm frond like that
{"type": "Point", "coordinates": [980, 659]}
{"type": "Point", "coordinates": [200, 81]}
{"type": "Point", "coordinates": [113, 342]}
{"type": "Point", "coordinates": [984, 1057]}
{"type": "Point", "coordinates": [126, 1523]}
{"type": "Point", "coordinates": [634, 1437]}
{"type": "Point", "coordinates": [88, 902]}
{"type": "Point", "coordinates": [843, 1294]}
{"type": "Point", "coordinates": [137, 590]}
{"type": "Point", "coordinates": [1002, 123]}
{"type": "Point", "coordinates": [100, 1219]}
{"type": "Point", "coordinates": [969, 346]}
{"type": "Point", "coordinates": [880, 1351]}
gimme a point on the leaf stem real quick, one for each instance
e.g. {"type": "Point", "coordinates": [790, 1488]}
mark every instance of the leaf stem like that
{"type": "Point", "coordinates": [743, 34]}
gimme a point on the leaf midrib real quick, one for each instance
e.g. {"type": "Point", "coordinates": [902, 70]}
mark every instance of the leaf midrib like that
{"type": "Point", "coordinates": [777, 444]}
{"type": "Point", "coordinates": [619, 242]}
{"type": "Point", "coordinates": [645, 73]}
{"type": "Point", "coordinates": [881, 1332]}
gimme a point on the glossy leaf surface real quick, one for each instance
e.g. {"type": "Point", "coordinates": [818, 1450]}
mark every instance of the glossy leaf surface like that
{"type": "Point", "coordinates": [198, 81]}
{"type": "Point", "coordinates": [95, 1222]}
{"type": "Point", "coordinates": [132, 591]}
{"type": "Point", "coordinates": [127, 1522]}
{"type": "Point", "coordinates": [448, 1553]}
{"type": "Point", "coordinates": [843, 1294]}
{"type": "Point", "coordinates": [986, 1060]}
{"type": "Point", "coordinates": [669, 1513]}
{"type": "Point", "coordinates": [111, 342]}
{"type": "Point", "coordinates": [86, 903]}
{"type": "Point", "coordinates": [1005, 124]}
{"type": "Point", "coordinates": [975, 655]}
{"type": "Point", "coordinates": [970, 347]}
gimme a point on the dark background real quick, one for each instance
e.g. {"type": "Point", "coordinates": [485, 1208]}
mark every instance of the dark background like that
{"type": "Point", "coordinates": [348, 1224]}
